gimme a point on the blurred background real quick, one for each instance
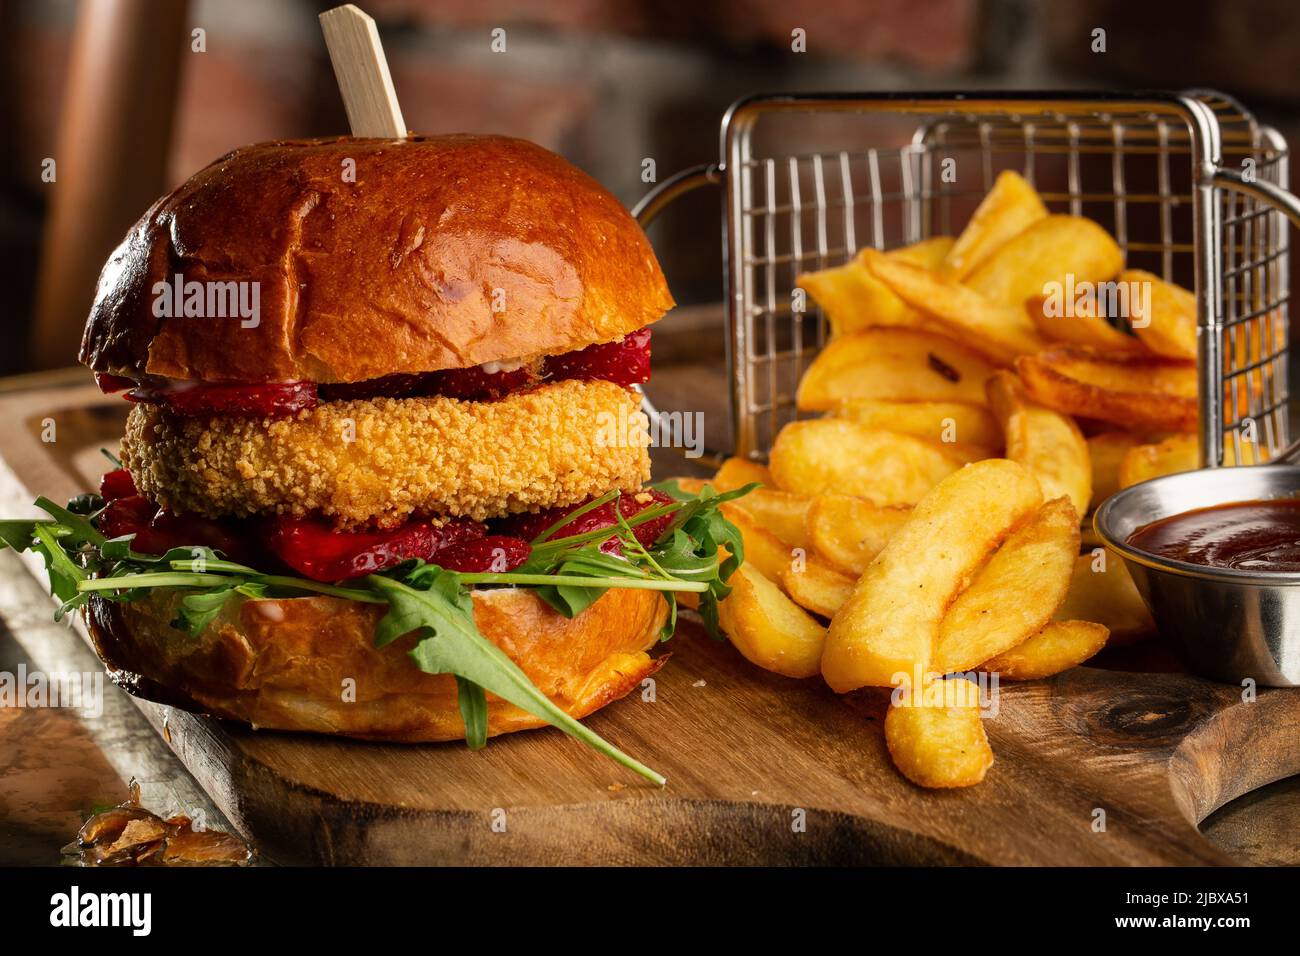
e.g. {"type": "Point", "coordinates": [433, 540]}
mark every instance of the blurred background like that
{"type": "Point", "coordinates": [115, 101]}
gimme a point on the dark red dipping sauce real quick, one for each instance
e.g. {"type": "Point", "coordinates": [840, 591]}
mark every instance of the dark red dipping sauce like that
{"type": "Point", "coordinates": [1243, 535]}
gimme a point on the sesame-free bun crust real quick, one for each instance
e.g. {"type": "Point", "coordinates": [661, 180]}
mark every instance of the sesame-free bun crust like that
{"type": "Point", "coordinates": [285, 664]}
{"type": "Point", "coordinates": [446, 252]}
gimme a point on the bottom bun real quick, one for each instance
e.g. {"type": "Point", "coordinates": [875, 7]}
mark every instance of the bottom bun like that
{"type": "Point", "coordinates": [310, 664]}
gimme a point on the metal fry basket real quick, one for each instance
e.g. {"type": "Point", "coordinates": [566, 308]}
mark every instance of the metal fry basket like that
{"type": "Point", "coordinates": [1190, 185]}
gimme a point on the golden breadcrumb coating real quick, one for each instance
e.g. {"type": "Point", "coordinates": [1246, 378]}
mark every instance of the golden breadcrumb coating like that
{"type": "Point", "coordinates": [381, 460]}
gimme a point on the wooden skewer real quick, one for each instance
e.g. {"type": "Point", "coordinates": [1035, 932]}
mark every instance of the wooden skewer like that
{"type": "Point", "coordinates": [362, 73]}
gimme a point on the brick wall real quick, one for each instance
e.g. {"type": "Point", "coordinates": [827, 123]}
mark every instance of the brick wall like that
{"type": "Point", "coordinates": [609, 84]}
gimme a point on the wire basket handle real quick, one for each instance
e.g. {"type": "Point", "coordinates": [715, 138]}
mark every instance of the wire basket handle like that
{"type": "Point", "coordinates": [645, 212]}
{"type": "Point", "coordinates": [1280, 199]}
{"type": "Point", "coordinates": [675, 186]}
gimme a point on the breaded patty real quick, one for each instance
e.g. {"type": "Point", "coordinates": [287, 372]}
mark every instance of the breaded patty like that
{"type": "Point", "coordinates": [381, 460]}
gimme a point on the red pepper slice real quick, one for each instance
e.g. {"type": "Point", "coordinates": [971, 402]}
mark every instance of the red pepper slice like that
{"type": "Point", "coordinates": [314, 549]}
{"type": "Point", "coordinates": [496, 553]}
{"type": "Point", "coordinates": [625, 362]}
{"type": "Point", "coordinates": [128, 515]}
{"type": "Point", "coordinates": [108, 384]}
{"type": "Point", "coordinates": [268, 400]}
{"type": "Point", "coordinates": [476, 385]}
{"type": "Point", "coordinates": [116, 484]}
{"type": "Point", "coordinates": [157, 531]}
{"type": "Point", "coordinates": [470, 384]}
{"type": "Point", "coordinates": [167, 531]}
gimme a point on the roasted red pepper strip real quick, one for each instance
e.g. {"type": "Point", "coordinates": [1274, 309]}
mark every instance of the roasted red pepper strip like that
{"type": "Point", "coordinates": [117, 483]}
{"type": "Point", "coordinates": [269, 400]}
{"type": "Point", "coordinates": [625, 362]}
{"type": "Point", "coordinates": [496, 553]}
{"type": "Point", "coordinates": [316, 550]}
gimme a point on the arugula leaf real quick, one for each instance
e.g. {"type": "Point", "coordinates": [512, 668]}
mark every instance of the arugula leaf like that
{"type": "Point", "coordinates": [79, 528]}
{"type": "Point", "coordinates": [714, 532]}
{"type": "Point", "coordinates": [586, 561]}
{"type": "Point", "coordinates": [443, 594]}
{"type": "Point", "coordinates": [196, 558]}
{"type": "Point", "coordinates": [670, 622]}
{"type": "Point", "coordinates": [17, 533]}
{"type": "Point", "coordinates": [64, 574]}
{"type": "Point", "coordinates": [681, 556]}
{"type": "Point", "coordinates": [450, 643]}
{"type": "Point", "coordinates": [674, 490]}
{"type": "Point", "coordinates": [198, 609]}
{"type": "Point", "coordinates": [703, 505]}
{"type": "Point", "coordinates": [473, 711]}
{"type": "Point", "coordinates": [690, 549]}
{"type": "Point", "coordinates": [707, 527]}
{"type": "Point", "coordinates": [86, 504]}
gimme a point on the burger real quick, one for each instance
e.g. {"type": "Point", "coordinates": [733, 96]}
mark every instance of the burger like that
{"type": "Point", "coordinates": [373, 481]}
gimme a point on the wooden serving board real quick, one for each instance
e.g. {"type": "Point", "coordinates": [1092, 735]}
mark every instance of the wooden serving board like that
{"type": "Point", "coordinates": [761, 769]}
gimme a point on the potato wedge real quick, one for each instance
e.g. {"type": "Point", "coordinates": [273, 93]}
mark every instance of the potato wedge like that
{"type": "Point", "coordinates": [738, 472]}
{"type": "Point", "coordinates": [853, 299]}
{"type": "Point", "coordinates": [890, 623]}
{"type": "Point", "coordinates": [1056, 648]}
{"type": "Point", "coordinates": [1144, 393]}
{"type": "Point", "coordinates": [817, 587]}
{"type": "Point", "coordinates": [1177, 453]}
{"type": "Point", "coordinates": [830, 455]}
{"type": "Point", "coordinates": [1046, 442]}
{"type": "Point", "coordinates": [771, 554]}
{"type": "Point", "coordinates": [783, 514]}
{"type": "Point", "coordinates": [997, 331]}
{"type": "Point", "coordinates": [942, 746]}
{"type": "Point", "coordinates": [768, 628]}
{"type": "Point", "coordinates": [898, 364]}
{"type": "Point", "coordinates": [1010, 207]}
{"type": "Point", "coordinates": [1144, 462]}
{"type": "Point", "coordinates": [928, 253]}
{"type": "Point", "coordinates": [1106, 453]}
{"type": "Point", "coordinates": [968, 453]}
{"type": "Point", "coordinates": [1015, 594]}
{"type": "Point", "coordinates": [936, 421]}
{"type": "Point", "coordinates": [849, 532]}
{"type": "Point", "coordinates": [1102, 590]}
{"type": "Point", "coordinates": [1084, 327]}
{"type": "Point", "coordinates": [1170, 329]}
{"type": "Point", "coordinates": [764, 550]}
{"type": "Point", "coordinates": [1049, 250]}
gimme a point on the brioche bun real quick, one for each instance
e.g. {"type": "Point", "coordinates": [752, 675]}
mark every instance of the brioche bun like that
{"type": "Point", "coordinates": [445, 252]}
{"type": "Point", "coordinates": [285, 664]}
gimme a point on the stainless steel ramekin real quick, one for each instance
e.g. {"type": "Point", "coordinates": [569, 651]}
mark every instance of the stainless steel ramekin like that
{"type": "Point", "coordinates": [1229, 625]}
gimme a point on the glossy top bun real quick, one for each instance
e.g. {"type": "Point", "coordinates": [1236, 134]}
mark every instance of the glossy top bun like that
{"type": "Point", "coordinates": [374, 257]}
